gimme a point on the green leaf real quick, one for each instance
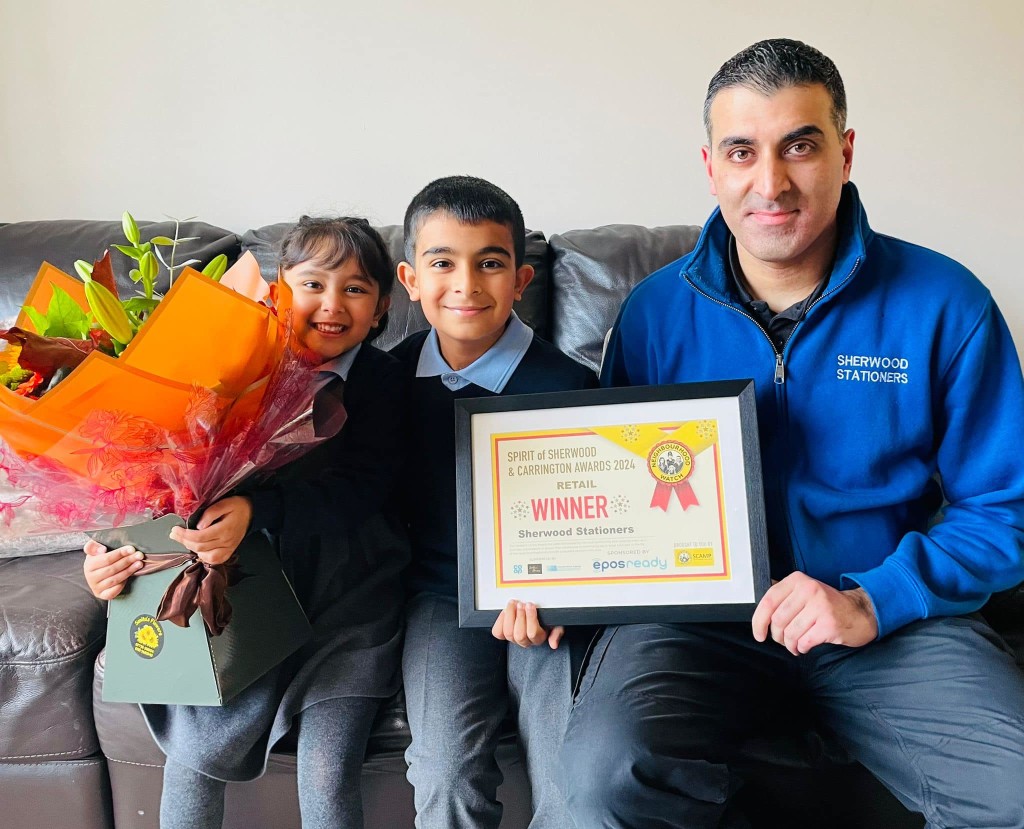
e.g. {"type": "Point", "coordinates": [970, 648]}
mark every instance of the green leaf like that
{"type": "Point", "coordinates": [84, 270]}
{"type": "Point", "coordinates": [146, 247]}
{"type": "Point", "coordinates": [140, 305]}
{"type": "Point", "coordinates": [40, 322]}
{"type": "Point", "coordinates": [64, 317]}
{"type": "Point", "coordinates": [215, 267]}
{"type": "Point", "coordinates": [135, 274]}
{"type": "Point", "coordinates": [130, 228]}
{"type": "Point", "coordinates": [162, 240]}
{"type": "Point", "coordinates": [129, 250]}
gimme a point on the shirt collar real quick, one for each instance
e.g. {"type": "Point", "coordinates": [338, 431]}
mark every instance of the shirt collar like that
{"type": "Point", "coordinates": [340, 365]}
{"type": "Point", "coordinates": [794, 312]}
{"type": "Point", "coordinates": [491, 371]}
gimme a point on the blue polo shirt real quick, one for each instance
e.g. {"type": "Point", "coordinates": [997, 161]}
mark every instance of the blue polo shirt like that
{"type": "Point", "coordinates": [491, 371]}
{"type": "Point", "coordinates": [338, 367]}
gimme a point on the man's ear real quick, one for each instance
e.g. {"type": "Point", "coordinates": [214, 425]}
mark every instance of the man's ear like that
{"type": "Point", "coordinates": [274, 291]}
{"type": "Point", "coordinates": [705, 154]}
{"type": "Point", "coordinates": [407, 276]}
{"type": "Point", "coordinates": [524, 276]}
{"type": "Point", "coordinates": [848, 137]}
{"type": "Point", "coordinates": [382, 308]}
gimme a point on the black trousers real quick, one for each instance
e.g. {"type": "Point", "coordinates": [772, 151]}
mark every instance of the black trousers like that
{"type": "Point", "coordinates": [660, 721]}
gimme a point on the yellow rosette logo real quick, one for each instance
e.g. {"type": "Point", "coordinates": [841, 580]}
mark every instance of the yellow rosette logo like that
{"type": "Point", "coordinates": [671, 451]}
{"type": "Point", "coordinates": [671, 462]}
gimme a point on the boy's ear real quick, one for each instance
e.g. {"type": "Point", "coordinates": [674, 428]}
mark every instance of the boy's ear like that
{"type": "Point", "coordinates": [407, 276]}
{"type": "Point", "coordinates": [524, 276]}
{"type": "Point", "coordinates": [274, 291]}
{"type": "Point", "coordinates": [382, 308]}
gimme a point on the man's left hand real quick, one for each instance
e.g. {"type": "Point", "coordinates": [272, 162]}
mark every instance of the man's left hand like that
{"type": "Point", "coordinates": [802, 613]}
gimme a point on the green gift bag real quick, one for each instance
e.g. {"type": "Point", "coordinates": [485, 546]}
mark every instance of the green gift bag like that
{"type": "Point", "coordinates": [148, 660]}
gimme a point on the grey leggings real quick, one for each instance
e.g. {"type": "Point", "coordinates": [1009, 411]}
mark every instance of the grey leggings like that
{"type": "Point", "coordinates": [332, 739]}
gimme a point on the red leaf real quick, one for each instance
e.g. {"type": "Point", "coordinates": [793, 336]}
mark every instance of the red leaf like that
{"type": "Point", "coordinates": [103, 272]}
{"type": "Point", "coordinates": [47, 354]}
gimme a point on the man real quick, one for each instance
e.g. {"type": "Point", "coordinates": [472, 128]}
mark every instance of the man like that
{"type": "Point", "coordinates": [881, 369]}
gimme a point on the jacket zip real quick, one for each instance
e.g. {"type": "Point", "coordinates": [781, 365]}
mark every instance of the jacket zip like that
{"type": "Point", "coordinates": [780, 368]}
{"type": "Point", "coordinates": [780, 380]}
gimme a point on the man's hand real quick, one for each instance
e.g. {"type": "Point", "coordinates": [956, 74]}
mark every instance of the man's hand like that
{"type": "Point", "coordinates": [107, 571]}
{"type": "Point", "coordinates": [518, 623]}
{"type": "Point", "coordinates": [220, 530]}
{"type": "Point", "coordinates": [802, 613]}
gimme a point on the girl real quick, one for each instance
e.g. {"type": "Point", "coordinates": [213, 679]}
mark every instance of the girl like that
{"type": "Point", "coordinates": [340, 547]}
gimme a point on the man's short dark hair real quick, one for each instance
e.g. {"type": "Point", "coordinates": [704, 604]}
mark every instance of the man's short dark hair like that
{"type": "Point", "coordinates": [469, 200]}
{"type": "Point", "coordinates": [771, 65]}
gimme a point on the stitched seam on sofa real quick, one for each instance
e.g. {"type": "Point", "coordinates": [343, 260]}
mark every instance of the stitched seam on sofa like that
{"type": "Point", "coordinates": [49, 754]}
{"type": "Point", "coordinates": [56, 660]}
{"type": "Point", "coordinates": [60, 763]}
{"type": "Point", "coordinates": [131, 763]}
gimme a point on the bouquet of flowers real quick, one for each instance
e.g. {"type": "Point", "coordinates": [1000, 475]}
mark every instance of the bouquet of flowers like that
{"type": "Point", "coordinates": [116, 411]}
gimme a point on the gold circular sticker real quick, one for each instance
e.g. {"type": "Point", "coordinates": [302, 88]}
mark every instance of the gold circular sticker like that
{"type": "Point", "coordinates": [670, 462]}
{"type": "Point", "coordinates": [147, 637]}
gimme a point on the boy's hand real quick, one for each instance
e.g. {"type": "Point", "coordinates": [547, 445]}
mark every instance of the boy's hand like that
{"type": "Point", "coordinates": [107, 571]}
{"type": "Point", "coordinates": [220, 530]}
{"type": "Point", "coordinates": [518, 623]}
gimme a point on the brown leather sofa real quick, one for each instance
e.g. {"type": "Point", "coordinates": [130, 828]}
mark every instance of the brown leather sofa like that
{"type": "Point", "coordinates": [69, 759]}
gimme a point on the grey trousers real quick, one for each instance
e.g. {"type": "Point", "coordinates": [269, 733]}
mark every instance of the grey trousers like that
{"type": "Point", "coordinates": [459, 686]}
{"type": "Point", "coordinates": [935, 711]}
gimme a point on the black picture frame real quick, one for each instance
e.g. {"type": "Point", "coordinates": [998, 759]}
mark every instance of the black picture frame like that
{"type": "Point", "coordinates": [739, 395]}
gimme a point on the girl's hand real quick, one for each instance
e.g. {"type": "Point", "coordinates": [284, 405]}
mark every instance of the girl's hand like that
{"type": "Point", "coordinates": [518, 623]}
{"type": "Point", "coordinates": [220, 530]}
{"type": "Point", "coordinates": [106, 572]}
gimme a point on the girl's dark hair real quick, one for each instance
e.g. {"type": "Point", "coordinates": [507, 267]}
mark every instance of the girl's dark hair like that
{"type": "Point", "coordinates": [330, 241]}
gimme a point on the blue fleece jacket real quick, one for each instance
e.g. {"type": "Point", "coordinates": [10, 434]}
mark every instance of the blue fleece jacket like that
{"type": "Point", "coordinates": [901, 376]}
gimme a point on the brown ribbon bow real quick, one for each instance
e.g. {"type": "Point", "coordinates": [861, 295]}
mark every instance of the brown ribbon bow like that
{"type": "Point", "coordinates": [199, 586]}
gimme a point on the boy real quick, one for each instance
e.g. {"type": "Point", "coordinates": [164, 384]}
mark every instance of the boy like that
{"type": "Point", "coordinates": [464, 246]}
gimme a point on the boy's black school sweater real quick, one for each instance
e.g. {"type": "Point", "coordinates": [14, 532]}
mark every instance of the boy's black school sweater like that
{"type": "Point", "coordinates": [429, 484]}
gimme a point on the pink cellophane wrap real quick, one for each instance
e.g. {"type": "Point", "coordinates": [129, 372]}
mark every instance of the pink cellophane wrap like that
{"type": "Point", "coordinates": [167, 446]}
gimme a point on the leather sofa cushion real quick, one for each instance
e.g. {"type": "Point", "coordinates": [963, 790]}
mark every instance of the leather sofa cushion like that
{"type": "Point", "coordinates": [24, 246]}
{"type": "Point", "coordinates": [52, 630]}
{"type": "Point", "coordinates": [405, 317]}
{"type": "Point", "coordinates": [593, 270]}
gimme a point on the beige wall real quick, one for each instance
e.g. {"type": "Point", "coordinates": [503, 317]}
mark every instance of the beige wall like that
{"type": "Point", "coordinates": [587, 111]}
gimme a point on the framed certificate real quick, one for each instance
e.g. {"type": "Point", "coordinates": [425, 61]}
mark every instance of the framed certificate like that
{"type": "Point", "coordinates": [612, 506]}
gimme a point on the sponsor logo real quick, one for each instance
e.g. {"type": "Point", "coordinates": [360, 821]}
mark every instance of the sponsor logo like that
{"type": "Point", "coordinates": [694, 557]}
{"type": "Point", "coordinates": [534, 569]}
{"type": "Point", "coordinates": [657, 563]}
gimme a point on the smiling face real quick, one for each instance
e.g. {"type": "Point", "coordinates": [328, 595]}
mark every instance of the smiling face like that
{"type": "Point", "coordinates": [333, 309]}
{"type": "Point", "coordinates": [777, 166]}
{"type": "Point", "coordinates": [465, 278]}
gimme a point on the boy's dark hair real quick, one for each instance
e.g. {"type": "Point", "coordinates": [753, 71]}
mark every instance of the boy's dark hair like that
{"type": "Point", "coordinates": [467, 199]}
{"type": "Point", "coordinates": [771, 65]}
{"type": "Point", "coordinates": [329, 241]}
